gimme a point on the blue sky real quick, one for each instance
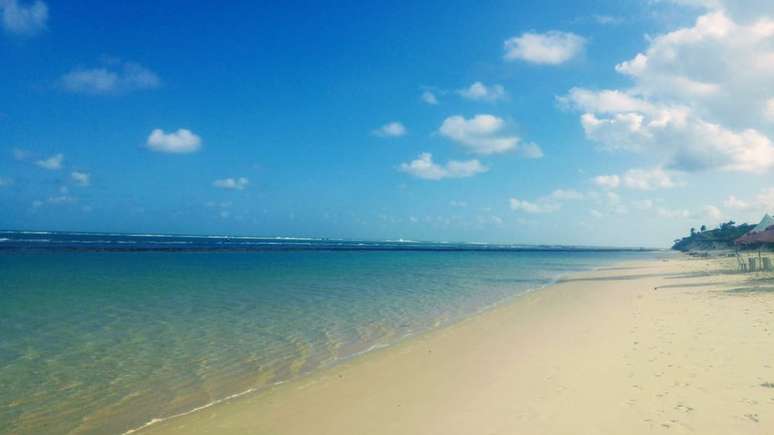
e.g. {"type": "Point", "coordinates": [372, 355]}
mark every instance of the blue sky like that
{"type": "Point", "coordinates": [599, 122]}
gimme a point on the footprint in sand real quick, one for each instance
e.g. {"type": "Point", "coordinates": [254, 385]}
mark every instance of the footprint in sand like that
{"type": "Point", "coordinates": [684, 408]}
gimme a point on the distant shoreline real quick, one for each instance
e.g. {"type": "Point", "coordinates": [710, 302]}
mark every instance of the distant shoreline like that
{"type": "Point", "coordinates": [119, 242]}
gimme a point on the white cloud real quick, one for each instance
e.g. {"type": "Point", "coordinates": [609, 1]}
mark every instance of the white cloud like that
{"type": "Point", "coordinates": [52, 163]}
{"type": "Point", "coordinates": [647, 179]}
{"type": "Point", "coordinates": [81, 178]}
{"type": "Point", "coordinates": [23, 19]}
{"type": "Point", "coordinates": [182, 141]}
{"type": "Point", "coordinates": [533, 207]}
{"type": "Point", "coordinates": [480, 134]}
{"type": "Point", "coordinates": [424, 167]}
{"type": "Point", "coordinates": [530, 151]}
{"type": "Point", "coordinates": [115, 78]}
{"type": "Point", "coordinates": [605, 101]}
{"type": "Point", "coordinates": [549, 203]}
{"type": "Point", "coordinates": [761, 202]}
{"type": "Point", "coordinates": [480, 92]}
{"type": "Point", "coordinates": [429, 98]}
{"type": "Point", "coordinates": [607, 181]}
{"type": "Point", "coordinates": [638, 179]}
{"type": "Point", "coordinates": [391, 129]}
{"type": "Point", "coordinates": [232, 183]}
{"type": "Point", "coordinates": [551, 48]}
{"type": "Point", "coordinates": [736, 203]}
{"type": "Point", "coordinates": [701, 97]}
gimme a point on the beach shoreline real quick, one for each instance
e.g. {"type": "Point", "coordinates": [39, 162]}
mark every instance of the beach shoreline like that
{"type": "Point", "coordinates": [638, 347]}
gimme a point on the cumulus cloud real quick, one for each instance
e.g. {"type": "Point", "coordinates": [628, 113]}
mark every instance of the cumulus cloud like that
{"type": "Point", "coordinates": [424, 167]}
{"type": "Point", "coordinates": [551, 48]}
{"type": "Point", "coordinates": [182, 141]}
{"type": "Point", "coordinates": [81, 178]}
{"type": "Point", "coordinates": [481, 134]}
{"type": "Point", "coordinates": [391, 129]}
{"type": "Point", "coordinates": [52, 163]}
{"type": "Point", "coordinates": [232, 183]}
{"type": "Point", "coordinates": [481, 92]}
{"type": "Point", "coordinates": [114, 78]}
{"type": "Point", "coordinates": [23, 19]}
{"type": "Point", "coordinates": [700, 99]}
{"type": "Point", "coordinates": [429, 98]}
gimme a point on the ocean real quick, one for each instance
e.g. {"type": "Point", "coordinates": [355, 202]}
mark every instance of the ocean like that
{"type": "Point", "coordinates": [104, 333]}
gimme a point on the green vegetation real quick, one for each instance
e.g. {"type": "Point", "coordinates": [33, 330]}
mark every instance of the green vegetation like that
{"type": "Point", "coordinates": [720, 238]}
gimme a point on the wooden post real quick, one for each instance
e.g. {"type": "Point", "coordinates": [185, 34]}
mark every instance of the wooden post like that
{"type": "Point", "coordinates": [760, 259]}
{"type": "Point", "coordinates": [740, 263]}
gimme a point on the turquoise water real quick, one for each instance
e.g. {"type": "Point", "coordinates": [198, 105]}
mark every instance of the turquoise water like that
{"type": "Point", "coordinates": [103, 342]}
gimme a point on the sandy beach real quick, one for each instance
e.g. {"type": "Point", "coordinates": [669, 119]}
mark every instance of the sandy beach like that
{"type": "Point", "coordinates": [676, 345]}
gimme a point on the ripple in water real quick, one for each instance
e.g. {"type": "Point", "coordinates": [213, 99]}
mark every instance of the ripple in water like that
{"type": "Point", "coordinates": [106, 342]}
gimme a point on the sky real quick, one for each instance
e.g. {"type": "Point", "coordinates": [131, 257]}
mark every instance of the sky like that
{"type": "Point", "coordinates": [616, 123]}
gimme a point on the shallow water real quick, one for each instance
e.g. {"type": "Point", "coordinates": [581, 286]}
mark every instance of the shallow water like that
{"type": "Point", "coordinates": [103, 342]}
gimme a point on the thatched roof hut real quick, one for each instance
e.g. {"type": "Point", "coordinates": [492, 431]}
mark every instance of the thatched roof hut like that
{"type": "Point", "coordinates": [762, 233]}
